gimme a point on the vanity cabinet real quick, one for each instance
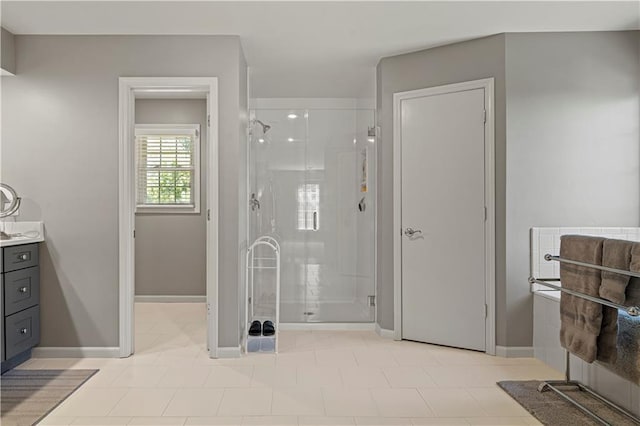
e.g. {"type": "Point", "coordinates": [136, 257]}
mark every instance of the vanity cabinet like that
{"type": "Point", "coordinates": [19, 303]}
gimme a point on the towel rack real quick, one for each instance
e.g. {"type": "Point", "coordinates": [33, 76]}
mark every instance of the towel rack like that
{"type": "Point", "coordinates": [631, 310]}
{"type": "Point", "coordinates": [549, 257]}
{"type": "Point", "coordinates": [555, 384]}
{"type": "Point", "coordinates": [634, 311]}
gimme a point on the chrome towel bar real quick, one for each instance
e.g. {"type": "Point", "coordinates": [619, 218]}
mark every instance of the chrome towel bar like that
{"type": "Point", "coordinates": [634, 311]}
{"type": "Point", "coordinates": [590, 265]}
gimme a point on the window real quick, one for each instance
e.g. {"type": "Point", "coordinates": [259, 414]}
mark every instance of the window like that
{"type": "Point", "coordinates": [308, 207]}
{"type": "Point", "coordinates": [168, 168]}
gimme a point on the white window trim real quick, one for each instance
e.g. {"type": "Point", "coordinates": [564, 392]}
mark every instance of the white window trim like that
{"type": "Point", "coordinates": [171, 129]}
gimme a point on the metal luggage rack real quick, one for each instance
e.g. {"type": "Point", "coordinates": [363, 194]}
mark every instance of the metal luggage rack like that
{"type": "Point", "coordinates": [555, 384]}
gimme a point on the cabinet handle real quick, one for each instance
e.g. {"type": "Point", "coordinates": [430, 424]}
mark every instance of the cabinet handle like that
{"type": "Point", "coordinates": [22, 290]}
{"type": "Point", "coordinates": [24, 330]}
{"type": "Point", "coordinates": [23, 256]}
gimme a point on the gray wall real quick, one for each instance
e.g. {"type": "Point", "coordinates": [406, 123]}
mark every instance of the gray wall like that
{"type": "Point", "coordinates": [8, 55]}
{"type": "Point", "coordinates": [470, 60]}
{"type": "Point", "coordinates": [567, 145]}
{"type": "Point", "coordinates": [573, 146]}
{"type": "Point", "coordinates": [171, 248]}
{"type": "Point", "coordinates": [243, 196]}
{"type": "Point", "coordinates": [60, 152]}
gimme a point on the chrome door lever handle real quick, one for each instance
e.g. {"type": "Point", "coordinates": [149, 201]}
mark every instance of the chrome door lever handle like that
{"type": "Point", "coordinates": [410, 232]}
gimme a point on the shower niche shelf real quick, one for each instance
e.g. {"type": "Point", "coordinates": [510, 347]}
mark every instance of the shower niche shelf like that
{"type": "Point", "coordinates": [255, 265]}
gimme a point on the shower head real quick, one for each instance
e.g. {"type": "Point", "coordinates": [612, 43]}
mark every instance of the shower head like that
{"type": "Point", "coordinates": [265, 127]}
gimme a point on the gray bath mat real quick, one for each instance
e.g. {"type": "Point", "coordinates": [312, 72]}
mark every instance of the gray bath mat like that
{"type": "Point", "coordinates": [26, 396]}
{"type": "Point", "coordinates": [551, 410]}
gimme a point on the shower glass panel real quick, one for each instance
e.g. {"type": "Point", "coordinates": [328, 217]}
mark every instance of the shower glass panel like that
{"type": "Point", "coordinates": [312, 186]}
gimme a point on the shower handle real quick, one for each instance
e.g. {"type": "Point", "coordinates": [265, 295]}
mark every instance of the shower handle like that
{"type": "Point", "coordinates": [315, 221]}
{"type": "Point", "coordinates": [254, 203]}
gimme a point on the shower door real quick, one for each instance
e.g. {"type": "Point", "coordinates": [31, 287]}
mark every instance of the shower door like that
{"type": "Point", "coordinates": [312, 174]}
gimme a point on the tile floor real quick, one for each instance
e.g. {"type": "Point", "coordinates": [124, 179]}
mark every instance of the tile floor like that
{"type": "Point", "coordinates": [318, 378]}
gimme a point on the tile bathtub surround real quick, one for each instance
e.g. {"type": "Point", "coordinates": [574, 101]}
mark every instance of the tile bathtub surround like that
{"type": "Point", "coordinates": [547, 240]}
{"type": "Point", "coordinates": [319, 378]}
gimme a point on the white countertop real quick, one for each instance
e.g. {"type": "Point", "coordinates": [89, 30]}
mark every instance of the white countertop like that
{"type": "Point", "coordinates": [34, 232]}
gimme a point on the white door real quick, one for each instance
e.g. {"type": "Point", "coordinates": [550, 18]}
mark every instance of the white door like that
{"type": "Point", "coordinates": [443, 201]}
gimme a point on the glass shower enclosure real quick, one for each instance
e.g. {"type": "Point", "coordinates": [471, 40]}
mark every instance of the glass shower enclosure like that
{"type": "Point", "coordinates": [312, 187]}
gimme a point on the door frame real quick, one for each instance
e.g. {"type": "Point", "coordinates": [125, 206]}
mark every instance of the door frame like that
{"type": "Point", "coordinates": [489, 187]}
{"type": "Point", "coordinates": [185, 86]}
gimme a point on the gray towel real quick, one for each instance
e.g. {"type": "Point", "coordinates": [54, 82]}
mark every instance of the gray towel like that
{"type": "Point", "coordinates": [634, 264]}
{"type": "Point", "coordinates": [633, 292]}
{"type": "Point", "coordinates": [627, 363]}
{"type": "Point", "coordinates": [615, 254]}
{"type": "Point", "coordinates": [581, 319]}
{"type": "Point", "coordinates": [608, 338]}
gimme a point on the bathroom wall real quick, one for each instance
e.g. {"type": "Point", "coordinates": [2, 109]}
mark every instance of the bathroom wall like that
{"type": "Point", "coordinates": [60, 152]}
{"type": "Point", "coordinates": [171, 248]}
{"type": "Point", "coordinates": [573, 144]}
{"type": "Point", "coordinates": [567, 145]}
{"type": "Point", "coordinates": [454, 63]}
{"type": "Point", "coordinates": [8, 55]}
{"type": "Point", "coordinates": [243, 197]}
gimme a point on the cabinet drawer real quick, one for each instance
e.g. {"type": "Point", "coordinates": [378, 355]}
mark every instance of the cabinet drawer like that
{"type": "Point", "coordinates": [2, 355]}
{"type": "Point", "coordinates": [22, 331]}
{"type": "Point", "coordinates": [21, 290]}
{"type": "Point", "coordinates": [20, 257]}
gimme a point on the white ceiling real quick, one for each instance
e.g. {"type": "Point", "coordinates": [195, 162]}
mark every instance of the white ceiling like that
{"type": "Point", "coordinates": [315, 49]}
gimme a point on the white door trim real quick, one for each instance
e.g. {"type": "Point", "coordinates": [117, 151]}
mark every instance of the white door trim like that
{"type": "Point", "coordinates": [489, 184]}
{"type": "Point", "coordinates": [128, 86]}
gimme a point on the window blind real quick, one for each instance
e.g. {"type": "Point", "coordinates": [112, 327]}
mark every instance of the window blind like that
{"type": "Point", "coordinates": [166, 167]}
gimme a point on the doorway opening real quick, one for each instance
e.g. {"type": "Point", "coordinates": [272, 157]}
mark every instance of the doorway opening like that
{"type": "Point", "coordinates": [168, 210]}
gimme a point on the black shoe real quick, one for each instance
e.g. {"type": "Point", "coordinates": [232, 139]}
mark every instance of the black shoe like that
{"type": "Point", "coordinates": [255, 329]}
{"type": "Point", "coordinates": [268, 329]}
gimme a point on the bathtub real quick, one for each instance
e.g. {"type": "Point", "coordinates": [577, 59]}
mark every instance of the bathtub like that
{"type": "Point", "coordinates": [546, 346]}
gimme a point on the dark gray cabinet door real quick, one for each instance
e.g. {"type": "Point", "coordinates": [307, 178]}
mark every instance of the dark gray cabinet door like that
{"type": "Point", "coordinates": [19, 301]}
{"type": "Point", "coordinates": [21, 290]}
{"type": "Point", "coordinates": [2, 355]}
{"type": "Point", "coordinates": [22, 331]}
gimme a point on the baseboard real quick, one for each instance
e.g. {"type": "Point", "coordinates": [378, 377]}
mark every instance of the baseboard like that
{"type": "Point", "coordinates": [385, 333]}
{"type": "Point", "coordinates": [327, 326]}
{"type": "Point", "coordinates": [170, 299]}
{"type": "Point", "coordinates": [76, 352]}
{"type": "Point", "coordinates": [229, 352]}
{"type": "Point", "coordinates": [514, 351]}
